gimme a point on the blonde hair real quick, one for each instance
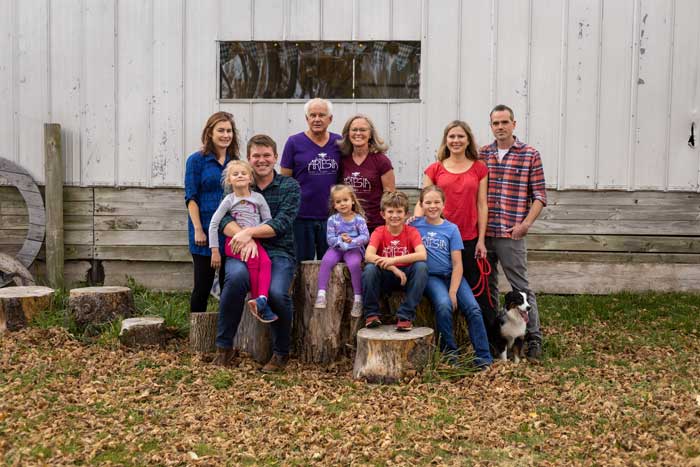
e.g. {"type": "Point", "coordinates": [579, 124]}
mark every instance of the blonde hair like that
{"type": "Point", "coordinates": [472, 152]}
{"type": "Point", "coordinates": [225, 174]}
{"type": "Point", "coordinates": [394, 199]}
{"type": "Point", "coordinates": [356, 206]}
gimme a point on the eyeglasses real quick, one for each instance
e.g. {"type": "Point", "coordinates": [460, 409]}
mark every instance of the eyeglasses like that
{"type": "Point", "coordinates": [359, 130]}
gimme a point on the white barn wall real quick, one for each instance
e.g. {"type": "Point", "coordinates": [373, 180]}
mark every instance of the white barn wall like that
{"type": "Point", "coordinates": [606, 90]}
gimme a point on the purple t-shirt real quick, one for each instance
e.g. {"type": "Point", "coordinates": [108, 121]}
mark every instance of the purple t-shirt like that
{"type": "Point", "coordinates": [316, 169]}
{"type": "Point", "coordinates": [366, 180]}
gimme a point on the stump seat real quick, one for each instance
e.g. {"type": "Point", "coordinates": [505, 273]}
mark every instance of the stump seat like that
{"type": "Point", "coordinates": [18, 305]}
{"type": "Point", "coordinates": [384, 355]}
{"type": "Point", "coordinates": [142, 331]}
{"type": "Point", "coordinates": [94, 306]}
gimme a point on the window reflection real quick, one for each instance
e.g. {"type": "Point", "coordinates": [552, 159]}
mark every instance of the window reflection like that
{"type": "Point", "coordinates": [303, 69]}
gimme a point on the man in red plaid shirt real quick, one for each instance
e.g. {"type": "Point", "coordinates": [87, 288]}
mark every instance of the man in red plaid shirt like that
{"type": "Point", "coordinates": [516, 196]}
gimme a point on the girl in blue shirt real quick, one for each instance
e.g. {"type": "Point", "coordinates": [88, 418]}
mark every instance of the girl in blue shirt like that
{"type": "Point", "coordinates": [447, 290]}
{"type": "Point", "coordinates": [203, 193]}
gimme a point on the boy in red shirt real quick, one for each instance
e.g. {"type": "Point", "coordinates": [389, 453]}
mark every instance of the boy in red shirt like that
{"type": "Point", "coordinates": [395, 259]}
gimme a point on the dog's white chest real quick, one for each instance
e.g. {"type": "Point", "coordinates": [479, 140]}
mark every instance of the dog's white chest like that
{"type": "Point", "coordinates": [513, 327]}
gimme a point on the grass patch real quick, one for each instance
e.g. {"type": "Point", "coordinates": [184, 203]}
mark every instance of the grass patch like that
{"type": "Point", "coordinates": [222, 379]}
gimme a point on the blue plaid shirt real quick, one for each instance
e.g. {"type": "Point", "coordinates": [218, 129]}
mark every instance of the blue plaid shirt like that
{"type": "Point", "coordinates": [203, 186]}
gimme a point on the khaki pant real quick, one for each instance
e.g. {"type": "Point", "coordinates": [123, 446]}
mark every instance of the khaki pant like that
{"type": "Point", "coordinates": [512, 255]}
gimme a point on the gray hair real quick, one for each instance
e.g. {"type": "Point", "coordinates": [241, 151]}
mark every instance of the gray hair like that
{"type": "Point", "coordinates": [318, 100]}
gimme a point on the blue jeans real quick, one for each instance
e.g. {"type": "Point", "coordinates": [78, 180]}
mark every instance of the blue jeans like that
{"type": "Point", "coordinates": [437, 291]}
{"type": "Point", "coordinates": [237, 285]}
{"type": "Point", "coordinates": [377, 281]}
{"type": "Point", "coordinates": [310, 239]}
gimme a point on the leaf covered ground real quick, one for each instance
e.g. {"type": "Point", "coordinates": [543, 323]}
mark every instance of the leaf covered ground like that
{"type": "Point", "coordinates": [618, 385]}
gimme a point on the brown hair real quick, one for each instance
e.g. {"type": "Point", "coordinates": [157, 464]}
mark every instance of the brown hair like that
{"type": "Point", "coordinates": [501, 108]}
{"type": "Point", "coordinates": [394, 199]}
{"type": "Point", "coordinates": [376, 144]}
{"type": "Point", "coordinates": [208, 145]}
{"type": "Point", "coordinates": [472, 152]}
{"type": "Point", "coordinates": [430, 189]}
{"type": "Point", "coordinates": [261, 140]}
{"type": "Point", "coordinates": [356, 206]}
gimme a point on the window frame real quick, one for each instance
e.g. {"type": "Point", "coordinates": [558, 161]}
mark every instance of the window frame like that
{"type": "Point", "coordinates": [248, 100]}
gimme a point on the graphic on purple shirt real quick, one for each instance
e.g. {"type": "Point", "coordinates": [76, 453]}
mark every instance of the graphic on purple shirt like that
{"type": "Point", "coordinates": [366, 180]}
{"type": "Point", "coordinates": [315, 168]}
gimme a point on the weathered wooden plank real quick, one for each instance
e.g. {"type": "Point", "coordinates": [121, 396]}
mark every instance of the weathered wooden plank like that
{"type": "Point", "coordinates": [615, 213]}
{"type": "Point", "coordinates": [604, 278]}
{"type": "Point", "coordinates": [145, 238]}
{"type": "Point", "coordinates": [235, 21]}
{"type": "Point", "coordinates": [269, 20]}
{"type": "Point", "coordinates": [406, 20]}
{"type": "Point", "coordinates": [649, 244]}
{"type": "Point", "coordinates": [8, 110]}
{"type": "Point", "coordinates": [72, 237]}
{"type": "Point", "coordinates": [142, 222]}
{"type": "Point", "coordinates": [74, 273]}
{"type": "Point", "coordinates": [338, 19]}
{"type": "Point", "coordinates": [135, 88]}
{"type": "Point", "coordinates": [139, 253]}
{"type": "Point", "coordinates": [141, 195]}
{"type": "Point", "coordinates": [19, 208]}
{"type": "Point", "coordinates": [19, 222]}
{"type": "Point", "coordinates": [65, 35]}
{"type": "Point", "coordinates": [404, 139]}
{"type": "Point", "coordinates": [304, 20]}
{"type": "Point", "coordinates": [375, 26]}
{"type": "Point", "coordinates": [615, 257]}
{"type": "Point", "coordinates": [544, 96]}
{"type": "Point", "coordinates": [618, 228]}
{"type": "Point", "coordinates": [154, 275]}
{"type": "Point", "coordinates": [653, 198]}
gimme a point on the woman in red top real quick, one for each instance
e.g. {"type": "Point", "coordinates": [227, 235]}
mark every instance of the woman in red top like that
{"type": "Point", "coordinates": [365, 167]}
{"type": "Point", "coordinates": [464, 179]}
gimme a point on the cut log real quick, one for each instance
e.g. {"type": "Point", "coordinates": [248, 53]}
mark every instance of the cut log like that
{"type": "Point", "coordinates": [203, 331]}
{"type": "Point", "coordinates": [387, 356]}
{"type": "Point", "coordinates": [142, 331]}
{"type": "Point", "coordinates": [11, 270]}
{"type": "Point", "coordinates": [254, 337]}
{"type": "Point", "coordinates": [318, 331]}
{"type": "Point", "coordinates": [18, 305]}
{"type": "Point", "coordinates": [94, 306]}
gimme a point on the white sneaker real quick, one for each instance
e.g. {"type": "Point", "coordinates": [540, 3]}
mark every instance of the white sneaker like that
{"type": "Point", "coordinates": [320, 302]}
{"type": "Point", "coordinates": [356, 310]}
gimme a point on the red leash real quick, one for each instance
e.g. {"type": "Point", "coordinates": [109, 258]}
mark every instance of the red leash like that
{"type": "Point", "coordinates": [483, 284]}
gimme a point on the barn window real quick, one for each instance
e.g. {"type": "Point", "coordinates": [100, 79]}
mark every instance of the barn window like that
{"type": "Point", "coordinates": [305, 69]}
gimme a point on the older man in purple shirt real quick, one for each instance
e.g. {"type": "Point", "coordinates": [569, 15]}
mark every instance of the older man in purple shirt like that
{"type": "Point", "coordinates": [312, 157]}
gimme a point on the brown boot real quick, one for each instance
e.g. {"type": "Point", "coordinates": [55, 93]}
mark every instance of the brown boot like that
{"type": "Point", "coordinates": [276, 364]}
{"type": "Point", "coordinates": [226, 357]}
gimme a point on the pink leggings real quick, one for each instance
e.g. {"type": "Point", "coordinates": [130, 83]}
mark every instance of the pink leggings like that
{"type": "Point", "coordinates": [353, 258]}
{"type": "Point", "coordinates": [259, 270]}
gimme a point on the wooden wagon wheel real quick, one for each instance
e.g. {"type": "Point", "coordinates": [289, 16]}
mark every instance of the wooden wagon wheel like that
{"type": "Point", "coordinates": [12, 174]}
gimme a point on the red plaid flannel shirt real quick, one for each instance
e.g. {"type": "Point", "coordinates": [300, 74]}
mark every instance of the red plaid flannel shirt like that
{"type": "Point", "coordinates": [513, 185]}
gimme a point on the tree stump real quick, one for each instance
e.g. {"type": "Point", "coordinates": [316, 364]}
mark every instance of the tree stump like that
{"type": "Point", "coordinates": [318, 331]}
{"type": "Point", "coordinates": [387, 356]}
{"type": "Point", "coordinates": [203, 331]}
{"type": "Point", "coordinates": [18, 305]}
{"type": "Point", "coordinates": [94, 306]}
{"type": "Point", "coordinates": [254, 337]}
{"type": "Point", "coordinates": [142, 331]}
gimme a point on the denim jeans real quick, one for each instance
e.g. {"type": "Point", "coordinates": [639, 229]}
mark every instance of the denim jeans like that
{"type": "Point", "coordinates": [237, 285]}
{"type": "Point", "coordinates": [437, 291]}
{"type": "Point", "coordinates": [377, 281]}
{"type": "Point", "coordinates": [310, 239]}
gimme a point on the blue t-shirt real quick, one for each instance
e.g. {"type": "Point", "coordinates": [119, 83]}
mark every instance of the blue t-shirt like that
{"type": "Point", "coordinates": [440, 241]}
{"type": "Point", "coordinates": [316, 169]}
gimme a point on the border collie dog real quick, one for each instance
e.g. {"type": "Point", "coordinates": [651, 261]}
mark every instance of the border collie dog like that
{"type": "Point", "coordinates": [512, 321]}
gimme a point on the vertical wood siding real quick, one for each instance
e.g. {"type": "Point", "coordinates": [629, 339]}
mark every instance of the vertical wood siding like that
{"type": "Point", "coordinates": [606, 90]}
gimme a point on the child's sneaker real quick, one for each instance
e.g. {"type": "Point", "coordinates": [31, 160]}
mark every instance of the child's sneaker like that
{"type": "Point", "coordinates": [261, 310]}
{"type": "Point", "coordinates": [373, 322]}
{"type": "Point", "coordinates": [320, 302]}
{"type": "Point", "coordinates": [404, 325]}
{"type": "Point", "coordinates": [356, 310]}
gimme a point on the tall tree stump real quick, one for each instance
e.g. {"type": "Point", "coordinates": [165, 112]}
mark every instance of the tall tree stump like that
{"type": "Point", "coordinates": [142, 331]}
{"type": "Point", "coordinates": [203, 331]}
{"type": "Point", "coordinates": [318, 331]}
{"type": "Point", "coordinates": [387, 356]}
{"type": "Point", "coordinates": [425, 316]}
{"type": "Point", "coordinates": [18, 305]}
{"type": "Point", "coordinates": [254, 337]}
{"type": "Point", "coordinates": [94, 306]}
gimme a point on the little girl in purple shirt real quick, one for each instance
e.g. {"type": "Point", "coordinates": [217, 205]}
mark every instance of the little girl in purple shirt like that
{"type": "Point", "coordinates": [347, 235]}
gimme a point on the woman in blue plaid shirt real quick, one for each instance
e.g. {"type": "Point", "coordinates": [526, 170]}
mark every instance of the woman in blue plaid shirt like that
{"type": "Point", "coordinates": [203, 193]}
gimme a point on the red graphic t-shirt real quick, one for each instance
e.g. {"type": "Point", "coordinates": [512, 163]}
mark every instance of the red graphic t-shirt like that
{"type": "Point", "coordinates": [390, 246]}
